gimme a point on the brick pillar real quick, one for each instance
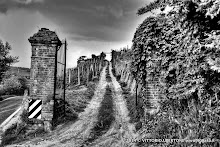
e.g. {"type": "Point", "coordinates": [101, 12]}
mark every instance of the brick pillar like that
{"type": "Point", "coordinates": [44, 45]}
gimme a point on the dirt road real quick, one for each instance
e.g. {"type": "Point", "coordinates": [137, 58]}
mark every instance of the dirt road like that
{"type": "Point", "coordinates": [104, 122]}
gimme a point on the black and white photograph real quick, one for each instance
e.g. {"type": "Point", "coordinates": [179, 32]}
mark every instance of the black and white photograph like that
{"type": "Point", "coordinates": [109, 73]}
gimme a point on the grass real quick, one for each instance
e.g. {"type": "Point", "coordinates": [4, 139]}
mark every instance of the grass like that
{"type": "Point", "coordinates": [136, 111]}
{"type": "Point", "coordinates": [19, 132]}
{"type": "Point", "coordinates": [16, 134]}
{"type": "Point", "coordinates": [76, 101]}
{"type": "Point", "coordinates": [108, 78]}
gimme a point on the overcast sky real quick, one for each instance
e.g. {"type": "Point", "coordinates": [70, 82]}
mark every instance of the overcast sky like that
{"type": "Point", "coordinates": [90, 26]}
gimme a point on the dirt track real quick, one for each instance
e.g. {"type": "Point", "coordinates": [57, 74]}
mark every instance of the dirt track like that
{"type": "Point", "coordinates": [77, 134]}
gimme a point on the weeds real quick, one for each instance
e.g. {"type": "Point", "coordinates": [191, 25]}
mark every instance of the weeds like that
{"type": "Point", "coordinates": [76, 102]}
{"type": "Point", "coordinates": [108, 77]}
{"type": "Point", "coordinates": [21, 131]}
{"type": "Point", "coordinates": [136, 111]}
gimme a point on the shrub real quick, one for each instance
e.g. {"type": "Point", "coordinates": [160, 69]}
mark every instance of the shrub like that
{"type": "Point", "coordinates": [9, 135]}
{"type": "Point", "coordinates": [123, 84]}
{"type": "Point", "coordinates": [1, 92]}
{"type": "Point", "coordinates": [118, 77]}
{"type": "Point", "coordinates": [113, 71]}
{"type": "Point", "coordinates": [21, 131]}
{"type": "Point", "coordinates": [14, 85]}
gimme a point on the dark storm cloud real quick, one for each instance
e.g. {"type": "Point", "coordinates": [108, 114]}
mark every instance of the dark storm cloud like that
{"type": "Point", "coordinates": [5, 5]}
{"type": "Point", "coordinates": [3, 8]}
{"type": "Point", "coordinates": [103, 20]}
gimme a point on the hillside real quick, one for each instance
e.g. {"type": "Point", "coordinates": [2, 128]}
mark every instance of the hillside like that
{"type": "Point", "coordinates": [20, 71]}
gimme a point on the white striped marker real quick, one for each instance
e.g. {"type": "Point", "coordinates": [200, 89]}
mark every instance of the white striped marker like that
{"type": "Point", "coordinates": [34, 110]}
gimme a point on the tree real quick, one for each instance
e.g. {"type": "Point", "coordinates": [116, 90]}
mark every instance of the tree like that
{"type": "Point", "coordinates": [81, 58]}
{"type": "Point", "coordinates": [6, 60]}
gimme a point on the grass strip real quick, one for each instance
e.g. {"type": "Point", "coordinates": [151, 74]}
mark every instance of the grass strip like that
{"type": "Point", "coordinates": [105, 117]}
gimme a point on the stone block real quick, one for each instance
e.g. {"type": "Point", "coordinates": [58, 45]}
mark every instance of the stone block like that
{"type": "Point", "coordinates": [47, 116]}
{"type": "Point", "coordinates": [48, 126]}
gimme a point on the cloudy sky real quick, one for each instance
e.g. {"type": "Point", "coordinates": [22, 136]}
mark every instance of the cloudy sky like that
{"type": "Point", "coordinates": [90, 26]}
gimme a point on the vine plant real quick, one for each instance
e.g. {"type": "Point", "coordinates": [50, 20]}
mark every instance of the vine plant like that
{"type": "Point", "coordinates": [180, 47]}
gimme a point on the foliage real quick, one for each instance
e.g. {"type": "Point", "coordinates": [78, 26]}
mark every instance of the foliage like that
{"type": "Point", "coordinates": [176, 47]}
{"type": "Point", "coordinates": [82, 58]}
{"type": "Point", "coordinates": [5, 59]}
{"type": "Point", "coordinates": [14, 85]}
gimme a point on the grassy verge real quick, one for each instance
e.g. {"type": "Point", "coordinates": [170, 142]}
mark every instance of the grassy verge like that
{"type": "Point", "coordinates": [136, 111]}
{"type": "Point", "coordinates": [108, 78]}
{"type": "Point", "coordinates": [76, 101]}
{"type": "Point", "coordinates": [20, 131]}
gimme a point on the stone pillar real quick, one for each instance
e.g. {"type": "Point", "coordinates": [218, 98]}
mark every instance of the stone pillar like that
{"type": "Point", "coordinates": [42, 81]}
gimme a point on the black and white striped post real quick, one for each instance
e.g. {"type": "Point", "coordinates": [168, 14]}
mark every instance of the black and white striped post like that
{"type": "Point", "coordinates": [34, 109]}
